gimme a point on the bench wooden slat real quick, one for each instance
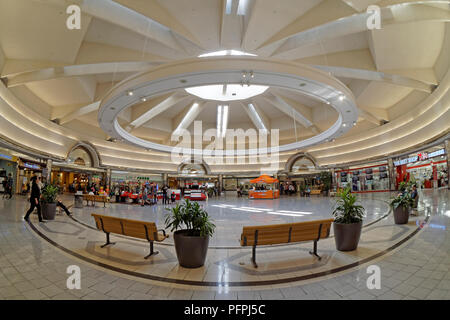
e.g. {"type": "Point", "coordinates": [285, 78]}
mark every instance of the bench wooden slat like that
{"type": "Point", "coordinates": [132, 228]}
{"type": "Point", "coordinates": [277, 234]}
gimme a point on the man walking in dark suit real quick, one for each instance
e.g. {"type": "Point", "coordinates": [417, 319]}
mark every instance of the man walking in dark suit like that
{"type": "Point", "coordinates": [34, 199]}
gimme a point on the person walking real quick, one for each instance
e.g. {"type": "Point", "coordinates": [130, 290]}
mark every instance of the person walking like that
{"type": "Point", "coordinates": [164, 194]}
{"type": "Point", "coordinates": [9, 185]}
{"type": "Point", "coordinates": [5, 187]}
{"type": "Point", "coordinates": [34, 199]}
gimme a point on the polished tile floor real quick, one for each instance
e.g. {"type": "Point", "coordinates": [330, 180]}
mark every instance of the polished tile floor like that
{"type": "Point", "coordinates": [414, 259]}
{"type": "Point", "coordinates": [230, 213]}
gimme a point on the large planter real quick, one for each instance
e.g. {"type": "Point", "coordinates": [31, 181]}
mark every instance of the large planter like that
{"type": "Point", "coordinates": [48, 211]}
{"type": "Point", "coordinates": [401, 215]}
{"type": "Point", "coordinates": [346, 235]}
{"type": "Point", "coordinates": [191, 250]}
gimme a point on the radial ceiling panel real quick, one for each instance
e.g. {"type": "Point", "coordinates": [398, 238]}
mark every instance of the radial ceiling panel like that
{"type": "Point", "coordinates": [268, 16]}
{"type": "Point", "coordinates": [200, 17]}
{"type": "Point", "coordinates": [34, 30]}
{"type": "Point", "coordinates": [382, 95]}
{"type": "Point", "coordinates": [59, 92]}
{"type": "Point", "coordinates": [407, 46]}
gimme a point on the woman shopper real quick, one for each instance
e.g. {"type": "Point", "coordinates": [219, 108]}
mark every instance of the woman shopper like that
{"type": "Point", "coordinates": [34, 199]}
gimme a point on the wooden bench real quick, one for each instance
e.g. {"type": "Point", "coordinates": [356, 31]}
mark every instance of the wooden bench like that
{"type": "Point", "coordinates": [316, 192]}
{"type": "Point", "coordinates": [131, 228]}
{"type": "Point", "coordinates": [95, 198]}
{"type": "Point", "coordinates": [285, 233]}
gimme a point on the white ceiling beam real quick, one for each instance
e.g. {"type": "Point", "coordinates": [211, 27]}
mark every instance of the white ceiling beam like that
{"type": "Point", "coordinates": [377, 76]}
{"type": "Point", "coordinates": [409, 12]}
{"type": "Point", "coordinates": [158, 109]}
{"type": "Point", "coordinates": [76, 71]}
{"type": "Point", "coordinates": [287, 109]}
{"type": "Point", "coordinates": [79, 112]}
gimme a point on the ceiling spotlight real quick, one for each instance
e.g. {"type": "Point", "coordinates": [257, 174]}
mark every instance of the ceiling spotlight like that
{"type": "Point", "coordinates": [328, 102]}
{"type": "Point", "coordinates": [341, 97]}
{"type": "Point", "coordinates": [354, 123]}
{"type": "Point", "coordinates": [129, 93]}
{"type": "Point", "coordinates": [143, 99]}
{"type": "Point", "coordinates": [344, 124]}
{"type": "Point", "coordinates": [252, 75]}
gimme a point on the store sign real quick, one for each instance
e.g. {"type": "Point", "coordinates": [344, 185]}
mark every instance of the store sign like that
{"type": "Point", "coordinates": [31, 166]}
{"type": "Point", "coordinates": [420, 157]}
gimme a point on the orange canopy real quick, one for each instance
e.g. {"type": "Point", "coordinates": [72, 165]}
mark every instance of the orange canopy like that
{"type": "Point", "coordinates": [264, 179]}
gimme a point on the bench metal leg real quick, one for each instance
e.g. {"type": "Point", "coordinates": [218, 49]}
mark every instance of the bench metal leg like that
{"type": "Point", "coordinates": [107, 241]}
{"type": "Point", "coordinates": [152, 253]}
{"type": "Point", "coordinates": [254, 257]}
{"type": "Point", "coordinates": [314, 252]}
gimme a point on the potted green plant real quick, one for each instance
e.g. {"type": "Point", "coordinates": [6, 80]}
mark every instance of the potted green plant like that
{"type": "Point", "coordinates": [402, 186]}
{"type": "Point", "coordinates": [348, 218]}
{"type": "Point", "coordinates": [49, 194]}
{"type": "Point", "coordinates": [401, 205]}
{"type": "Point", "coordinates": [193, 228]}
{"type": "Point", "coordinates": [325, 177]}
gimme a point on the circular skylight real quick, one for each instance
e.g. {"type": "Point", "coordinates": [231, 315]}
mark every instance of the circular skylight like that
{"type": "Point", "coordinates": [228, 92]}
{"type": "Point", "coordinates": [226, 53]}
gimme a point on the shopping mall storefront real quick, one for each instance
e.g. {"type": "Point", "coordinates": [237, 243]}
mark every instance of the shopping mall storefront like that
{"type": "Point", "coordinates": [368, 178]}
{"type": "Point", "coordinates": [8, 165]}
{"type": "Point", "coordinates": [428, 168]}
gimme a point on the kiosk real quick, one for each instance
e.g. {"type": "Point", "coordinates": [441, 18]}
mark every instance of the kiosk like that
{"type": "Point", "coordinates": [267, 193]}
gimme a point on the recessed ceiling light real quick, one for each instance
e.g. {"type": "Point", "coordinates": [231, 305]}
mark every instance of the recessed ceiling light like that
{"type": "Point", "coordinates": [348, 111]}
{"type": "Point", "coordinates": [302, 84]}
{"type": "Point", "coordinates": [328, 102]}
{"type": "Point", "coordinates": [129, 93]}
{"type": "Point", "coordinates": [341, 97]}
{"type": "Point", "coordinates": [113, 108]}
{"type": "Point", "coordinates": [183, 80]}
{"type": "Point", "coordinates": [143, 99]}
{"type": "Point", "coordinates": [344, 124]}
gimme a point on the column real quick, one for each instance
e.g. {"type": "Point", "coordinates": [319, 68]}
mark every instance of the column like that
{"type": "Point", "coordinates": [447, 152]}
{"type": "Point", "coordinates": [220, 183]}
{"type": "Point", "coordinates": [333, 180]}
{"type": "Point", "coordinates": [108, 179]}
{"type": "Point", "coordinates": [48, 175]}
{"type": "Point", "coordinates": [164, 178]}
{"type": "Point", "coordinates": [391, 169]}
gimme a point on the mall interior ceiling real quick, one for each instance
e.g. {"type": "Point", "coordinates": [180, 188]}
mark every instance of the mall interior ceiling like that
{"type": "Point", "coordinates": [124, 79]}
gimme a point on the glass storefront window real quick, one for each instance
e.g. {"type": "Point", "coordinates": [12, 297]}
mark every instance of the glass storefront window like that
{"type": "Point", "coordinates": [364, 179]}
